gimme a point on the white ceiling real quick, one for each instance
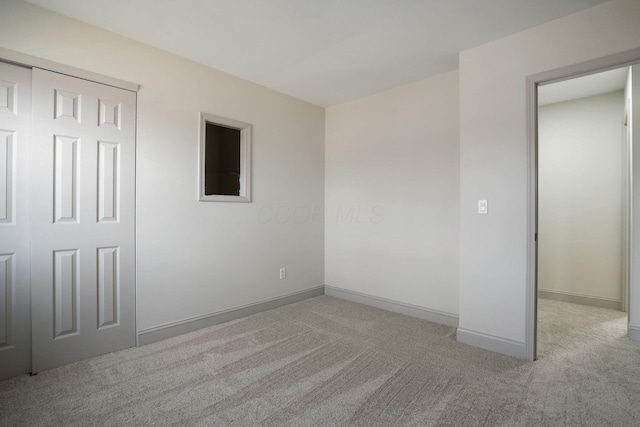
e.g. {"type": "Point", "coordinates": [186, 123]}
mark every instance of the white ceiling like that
{"type": "Point", "coordinates": [581, 87]}
{"type": "Point", "coordinates": [322, 51]}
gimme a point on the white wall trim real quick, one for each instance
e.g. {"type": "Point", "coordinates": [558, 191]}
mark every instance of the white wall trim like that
{"type": "Point", "coordinates": [492, 343]}
{"type": "Point", "coordinates": [578, 298]}
{"type": "Point", "coordinates": [436, 316]}
{"type": "Point", "coordinates": [29, 61]}
{"type": "Point", "coordinates": [169, 330]}
{"type": "Point", "coordinates": [634, 333]}
{"type": "Point", "coordinates": [609, 62]}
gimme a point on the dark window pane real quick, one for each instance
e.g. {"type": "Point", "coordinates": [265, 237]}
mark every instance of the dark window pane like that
{"type": "Point", "coordinates": [222, 161]}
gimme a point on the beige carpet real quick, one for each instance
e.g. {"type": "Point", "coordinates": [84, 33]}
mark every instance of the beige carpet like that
{"type": "Point", "coordinates": [325, 362]}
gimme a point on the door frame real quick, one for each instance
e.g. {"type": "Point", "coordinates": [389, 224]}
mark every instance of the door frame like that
{"type": "Point", "coordinates": [606, 63]}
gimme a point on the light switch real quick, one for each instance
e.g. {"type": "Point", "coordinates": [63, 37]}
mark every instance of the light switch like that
{"type": "Point", "coordinates": [483, 207]}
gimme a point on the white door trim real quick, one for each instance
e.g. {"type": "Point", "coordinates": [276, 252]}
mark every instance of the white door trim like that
{"type": "Point", "coordinates": [610, 62]}
{"type": "Point", "coordinates": [22, 59]}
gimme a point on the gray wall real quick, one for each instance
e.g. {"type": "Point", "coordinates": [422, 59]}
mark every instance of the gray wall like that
{"type": "Point", "coordinates": [580, 197]}
{"type": "Point", "coordinates": [494, 159]}
{"type": "Point", "coordinates": [196, 258]}
{"type": "Point", "coordinates": [392, 195]}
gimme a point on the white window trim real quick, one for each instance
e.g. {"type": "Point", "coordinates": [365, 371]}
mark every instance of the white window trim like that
{"type": "Point", "coordinates": [245, 159]}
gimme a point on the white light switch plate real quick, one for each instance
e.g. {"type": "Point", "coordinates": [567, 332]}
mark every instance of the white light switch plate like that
{"type": "Point", "coordinates": [483, 207]}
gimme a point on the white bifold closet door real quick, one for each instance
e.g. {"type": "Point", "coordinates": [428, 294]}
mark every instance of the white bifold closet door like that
{"type": "Point", "coordinates": [82, 219]}
{"type": "Point", "coordinates": [70, 201]}
{"type": "Point", "coordinates": [15, 292]}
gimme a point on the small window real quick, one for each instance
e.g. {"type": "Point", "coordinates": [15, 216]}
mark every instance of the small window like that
{"type": "Point", "coordinates": [225, 172]}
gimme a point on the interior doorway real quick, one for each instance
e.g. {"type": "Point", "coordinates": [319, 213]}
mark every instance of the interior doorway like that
{"type": "Point", "coordinates": [584, 200]}
{"type": "Point", "coordinates": [632, 270]}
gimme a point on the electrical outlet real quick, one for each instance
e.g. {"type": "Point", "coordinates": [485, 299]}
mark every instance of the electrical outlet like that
{"type": "Point", "coordinates": [283, 273]}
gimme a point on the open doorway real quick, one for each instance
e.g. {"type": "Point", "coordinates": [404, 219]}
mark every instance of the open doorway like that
{"type": "Point", "coordinates": [584, 200]}
{"type": "Point", "coordinates": [630, 58]}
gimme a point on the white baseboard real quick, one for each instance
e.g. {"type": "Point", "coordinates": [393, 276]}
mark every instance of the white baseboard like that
{"type": "Point", "coordinates": [634, 333]}
{"type": "Point", "coordinates": [151, 335]}
{"type": "Point", "coordinates": [431, 315]}
{"type": "Point", "coordinates": [492, 343]}
{"type": "Point", "coordinates": [583, 299]}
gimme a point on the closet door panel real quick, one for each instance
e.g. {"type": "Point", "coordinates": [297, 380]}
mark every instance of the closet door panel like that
{"type": "Point", "coordinates": [15, 296]}
{"type": "Point", "coordinates": [82, 219]}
